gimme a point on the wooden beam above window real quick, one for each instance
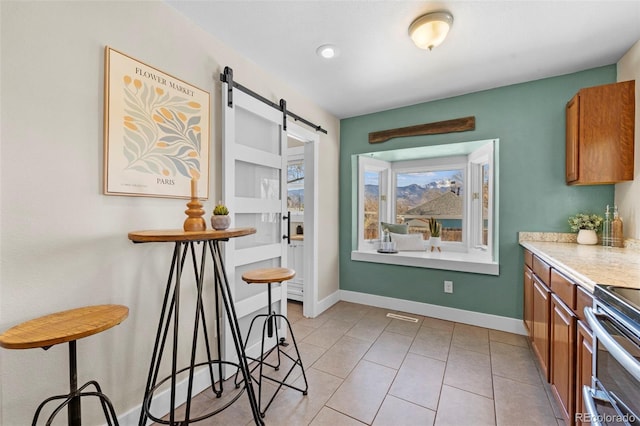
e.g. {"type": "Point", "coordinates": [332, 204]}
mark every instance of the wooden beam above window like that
{"type": "Point", "coordinates": [463, 124]}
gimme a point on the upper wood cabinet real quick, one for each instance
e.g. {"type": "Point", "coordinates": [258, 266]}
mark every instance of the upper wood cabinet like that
{"type": "Point", "coordinates": [600, 134]}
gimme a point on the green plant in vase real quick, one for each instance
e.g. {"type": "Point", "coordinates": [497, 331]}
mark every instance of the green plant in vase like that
{"type": "Point", "coordinates": [434, 229]}
{"type": "Point", "coordinates": [586, 225]}
{"type": "Point", "coordinates": [220, 209]}
{"type": "Point", "coordinates": [220, 219]}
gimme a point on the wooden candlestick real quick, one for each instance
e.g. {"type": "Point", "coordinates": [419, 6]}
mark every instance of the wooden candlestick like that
{"type": "Point", "coordinates": [195, 221]}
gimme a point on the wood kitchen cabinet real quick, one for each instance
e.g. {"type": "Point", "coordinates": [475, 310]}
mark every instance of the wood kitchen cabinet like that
{"type": "Point", "coordinates": [540, 296]}
{"type": "Point", "coordinates": [527, 308]}
{"type": "Point", "coordinates": [527, 311]}
{"type": "Point", "coordinates": [584, 349]}
{"type": "Point", "coordinates": [540, 329]}
{"type": "Point", "coordinates": [584, 367]}
{"type": "Point", "coordinates": [562, 357]}
{"type": "Point", "coordinates": [600, 134]}
{"type": "Point", "coordinates": [559, 334]}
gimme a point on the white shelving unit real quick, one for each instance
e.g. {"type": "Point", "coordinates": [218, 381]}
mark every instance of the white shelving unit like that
{"type": "Point", "coordinates": [295, 287]}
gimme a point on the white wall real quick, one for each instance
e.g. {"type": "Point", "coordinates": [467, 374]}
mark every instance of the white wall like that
{"type": "Point", "coordinates": [64, 244]}
{"type": "Point", "coordinates": [627, 193]}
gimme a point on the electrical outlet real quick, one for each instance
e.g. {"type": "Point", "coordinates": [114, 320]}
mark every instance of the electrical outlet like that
{"type": "Point", "coordinates": [448, 286]}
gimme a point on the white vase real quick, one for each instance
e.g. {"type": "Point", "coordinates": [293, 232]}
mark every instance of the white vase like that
{"type": "Point", "coordinates": [434, 242]}
{"type": "Point", "coordinates": [587, 236]}
{"type": "Point", "coordinates": [220, 222]}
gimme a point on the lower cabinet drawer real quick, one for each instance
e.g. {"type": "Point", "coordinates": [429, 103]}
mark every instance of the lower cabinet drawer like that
{"type": "Point", "coordinates": [542, 269]}
{"type": "Point", "coordinates": [528, 258]}
{"type": "Point", "coordinates": [565, 289]}
{"type": "Point", "coordinates": [583, 299]}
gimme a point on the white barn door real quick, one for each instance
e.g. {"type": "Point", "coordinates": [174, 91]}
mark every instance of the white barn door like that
{"type": "Point", "coordinates": [254, 189]}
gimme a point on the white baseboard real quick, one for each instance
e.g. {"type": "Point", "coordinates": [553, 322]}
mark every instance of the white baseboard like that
{"type": "Point", "coordinates": [327, 302]}
{"type": "Point", "coordinates": [201, 378]}
{"type": "Point", "coordinates": [161, 400]}
{"type": "Point", "coordinates": [494, 322]}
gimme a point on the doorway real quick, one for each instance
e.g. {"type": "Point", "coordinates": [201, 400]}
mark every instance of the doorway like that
{"type": "Point", "coordinates": [302, 204]}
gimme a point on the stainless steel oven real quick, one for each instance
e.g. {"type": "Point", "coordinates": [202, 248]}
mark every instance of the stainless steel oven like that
{"type": "Point", "coordinates": [614, 396]}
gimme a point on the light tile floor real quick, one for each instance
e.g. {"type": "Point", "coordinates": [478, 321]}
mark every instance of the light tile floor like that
{"type": "Point", "coordinates": [366, 368]}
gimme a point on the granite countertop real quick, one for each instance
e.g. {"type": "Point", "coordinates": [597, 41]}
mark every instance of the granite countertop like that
{"type": "Point", "coordinates": [587, 265]}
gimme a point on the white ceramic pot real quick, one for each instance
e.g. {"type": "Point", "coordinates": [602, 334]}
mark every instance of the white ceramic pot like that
{"type": "Point", "coordinates": [434, 242]}
{"type": "Point", "coordinates": [220, 222]}
{"type": "Point", "coordinates": [587, 236]}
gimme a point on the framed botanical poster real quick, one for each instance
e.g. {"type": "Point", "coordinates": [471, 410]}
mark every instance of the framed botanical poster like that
{"type": "Point", "coordinates": [156, 131]}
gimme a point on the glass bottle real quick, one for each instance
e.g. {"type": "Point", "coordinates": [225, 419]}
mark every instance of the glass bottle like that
{"type": "Point", "coordinates": [386, 241]}
{"type": "Point", "coordinates": [617, 238]}
{"type": "Point", "coordinates": [606, 229]}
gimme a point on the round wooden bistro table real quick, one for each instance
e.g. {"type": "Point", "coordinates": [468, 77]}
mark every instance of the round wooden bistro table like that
{"type": "Point", "coordinates": [186, 244]}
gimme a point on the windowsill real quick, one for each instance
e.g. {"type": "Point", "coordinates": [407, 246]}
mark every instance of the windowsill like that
{"type": "Point", "coordinates": [451, 261]}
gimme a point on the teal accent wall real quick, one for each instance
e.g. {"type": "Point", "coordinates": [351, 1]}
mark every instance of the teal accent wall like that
{"type": "Point", "coordinates": [529, 121]}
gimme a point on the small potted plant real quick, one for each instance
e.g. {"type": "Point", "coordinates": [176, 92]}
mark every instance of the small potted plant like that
{"type": "Point", "coordinates": [220, 219]}
{"type": "Point", "coordinates": [586, 225]}
{"type": "Point", "coordinates": [434, 230]}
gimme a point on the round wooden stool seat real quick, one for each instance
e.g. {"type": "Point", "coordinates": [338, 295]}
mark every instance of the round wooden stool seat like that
{"type": "Point", "coordinates": [268, 275]}
{"type": "Point", "coordinates": [62, 327]}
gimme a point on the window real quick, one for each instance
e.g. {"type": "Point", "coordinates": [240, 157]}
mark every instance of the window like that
{"type": "Point", "coordinates": [481, 167]}
{"type": "Point", "coordinates": [410, 186]}
{"type": "Point", "coordinates": [371, 204]}
{"type": "Point", "coordinates": [431, 188]}
{"type": "Point", "coordinates": [295, 181]}
{"type": "Point", "coordinates": [372, 198]}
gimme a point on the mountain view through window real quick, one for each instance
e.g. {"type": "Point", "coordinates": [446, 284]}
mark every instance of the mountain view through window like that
{"type": "Point", "coordinates": [418, 197]}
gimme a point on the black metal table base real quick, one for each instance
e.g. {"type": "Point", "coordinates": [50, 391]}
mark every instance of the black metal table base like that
{"type": "Point", "coordinates": [170, 316]}
{"type": "Point", "coordinates": [72, 399]}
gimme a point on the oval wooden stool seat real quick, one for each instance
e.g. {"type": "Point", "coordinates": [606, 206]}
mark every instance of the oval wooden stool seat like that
{"type": "Point", "coordinates": [268, 275]}
{"type": "Point", "coordinates": [63, 327]}
{"type": "Point", "coordinates": [67, 327]}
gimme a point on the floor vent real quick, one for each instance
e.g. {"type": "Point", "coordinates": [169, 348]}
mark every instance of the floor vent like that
{"type": "Point", "coordinates": [402, 317]}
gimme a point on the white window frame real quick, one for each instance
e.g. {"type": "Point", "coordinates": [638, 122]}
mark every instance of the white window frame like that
{"type": "Point", "coordinates": [433, 165]}
{"type": "Point", "coordinates": [296, 155]}
{"type": "Point", "coordinates": [467, 256]}
{"type": "Point", "coordinates": [477, 158]}
{"type": "Point", "coordinates": [366, 164]}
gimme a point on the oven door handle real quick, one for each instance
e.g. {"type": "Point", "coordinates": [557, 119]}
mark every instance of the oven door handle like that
{"type": "Point", "coordinates": [588, 398]}
{"type": "Point", "coordinates": [618, 352]}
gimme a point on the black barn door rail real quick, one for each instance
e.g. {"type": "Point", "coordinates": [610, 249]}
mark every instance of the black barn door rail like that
{"type": "Point", "coordinates": [227, 77]}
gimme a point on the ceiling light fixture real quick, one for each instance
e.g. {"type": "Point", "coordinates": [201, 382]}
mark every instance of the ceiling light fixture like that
{"type": "Point", "coordinates": [327, 51]}
{"type": "Point", "coordinates": [429, 31]}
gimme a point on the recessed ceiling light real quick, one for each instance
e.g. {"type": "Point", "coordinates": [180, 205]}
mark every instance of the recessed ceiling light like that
{"type": "Point", "coordinates": [327, 51]}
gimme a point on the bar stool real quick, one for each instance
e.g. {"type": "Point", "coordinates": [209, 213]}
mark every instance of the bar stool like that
{"type": "Point", "coordinates": [62, 327]}
{"type": "Point", "coordinates": [269, 276]}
